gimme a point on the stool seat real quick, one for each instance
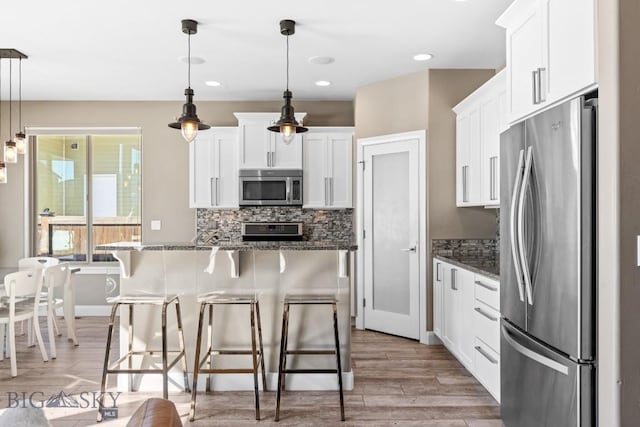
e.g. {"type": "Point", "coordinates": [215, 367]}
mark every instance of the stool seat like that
{"type": "Point", "coordinates": [310, 299]}
{"type": "Point", "coordinates": [227, 298]}
{"type": "Point", "coordinates": [142, 299]}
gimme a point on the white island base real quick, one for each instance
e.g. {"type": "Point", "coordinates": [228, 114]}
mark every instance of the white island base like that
{"type": "Point", "coordinates": [176, 270]}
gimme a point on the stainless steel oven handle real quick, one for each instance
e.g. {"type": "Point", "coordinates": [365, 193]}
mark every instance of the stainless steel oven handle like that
{"type": "Point", "coordinates": [289, 190]}
{"type": "Point", "coordinates": [549, 363]}
{"type": "Point", "coordinates": [512, 226]}
{"type": "Point", "coordinates": [521, 243]}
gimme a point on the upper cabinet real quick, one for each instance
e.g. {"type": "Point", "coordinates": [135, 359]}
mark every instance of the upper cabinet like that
{"type": "Point", "coordinates": [260, 148]}
{"type": "Point", "coordinates": [213, 172]}
{"type": "Point", "coordinates": [480, 118]}
{"type": "Point", "coordinates": [550, 53]}
{"type": "Point", "coordinates": [327, 167]}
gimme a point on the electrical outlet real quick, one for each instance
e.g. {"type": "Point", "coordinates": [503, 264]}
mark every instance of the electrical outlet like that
{"type": "Point", "coordinates": [156, 224]}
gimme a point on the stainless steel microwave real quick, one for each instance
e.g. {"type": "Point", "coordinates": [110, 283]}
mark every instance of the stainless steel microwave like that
{"type": "Point", "coordinates": [270, 187]}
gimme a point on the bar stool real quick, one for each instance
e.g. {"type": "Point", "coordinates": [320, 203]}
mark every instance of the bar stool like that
{"type": "Point", "coordinates": [320, 297]}
{"type": "Point", "coordinates": [227, 290]}
{"type": "Point", "coordinates": [157, 297]}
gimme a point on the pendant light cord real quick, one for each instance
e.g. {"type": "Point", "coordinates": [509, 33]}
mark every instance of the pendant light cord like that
{"type": "Point", "coordinates": [287, 62]}
{"type": "Point", "coordinates": [20, 95]}
{"type": "Point", "coordinates": [189, 59]}
{"type": "Point", "coordinates": [10, 68]}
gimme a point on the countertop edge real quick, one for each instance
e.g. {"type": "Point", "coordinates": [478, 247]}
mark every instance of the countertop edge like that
{"type": "Point", "coordinates": [467, 266]}
{"type": "Point", "coordinates": [230, 246]}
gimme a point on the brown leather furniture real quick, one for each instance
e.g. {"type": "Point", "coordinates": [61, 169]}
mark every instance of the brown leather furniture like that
{"type": "Point", "coordinates": [155, 413]}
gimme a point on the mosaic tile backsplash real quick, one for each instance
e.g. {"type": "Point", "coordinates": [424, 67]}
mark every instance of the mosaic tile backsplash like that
{"type": "Point", "coordinates": [318, 225]}
{"type": "Point", "coordinates": [477, 248]}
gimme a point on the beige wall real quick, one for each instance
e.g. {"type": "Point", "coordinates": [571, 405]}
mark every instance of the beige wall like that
{"type": "Point", "coordinates": [423, 101]}
{"type": "Point", "coordinates": [165, 156]}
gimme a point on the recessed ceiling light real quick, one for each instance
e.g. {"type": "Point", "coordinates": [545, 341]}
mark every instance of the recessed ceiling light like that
{"type": "Point", "coordinates": [212, 83]}
{"type": "Point", "coordinates": [323, 83]}
{"type": "Point", "coordinates": [422, 57]}
{"type": "Point", "coordinates": [195, 60]}
{"type": "Point", "coordinates": [321, 60]}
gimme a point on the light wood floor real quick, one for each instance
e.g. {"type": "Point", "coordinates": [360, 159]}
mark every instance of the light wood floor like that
{"type": "Point", "coordinates": [398, 382]}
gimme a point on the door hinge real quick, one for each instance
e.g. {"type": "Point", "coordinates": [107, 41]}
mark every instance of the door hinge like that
{"type": "Point", "coordinates": [363, 164]}
{"type": "Point", "coordinates": [364, 302]}
{"type": "Point", "coordinates": [364, 234]}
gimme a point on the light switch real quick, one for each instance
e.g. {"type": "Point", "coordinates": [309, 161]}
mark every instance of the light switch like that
{"type": "Point", "coordinates": [156, 224]}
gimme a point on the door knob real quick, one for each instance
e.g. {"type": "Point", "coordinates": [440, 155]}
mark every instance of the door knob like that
{"type": "Point", "coordinates": [413, 249]}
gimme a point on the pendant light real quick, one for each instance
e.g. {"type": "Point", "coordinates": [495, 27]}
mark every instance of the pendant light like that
{"type": "Point", "coordinates": [189, 122]}
{"type": "Point", "coordinates": [10, 147]}
{"type": "Point", "coordinates": [288, 126]}
{"type": "Point", "coordinates": [21, 141]}
{"type": "Point", "coordinates": [3, 172]}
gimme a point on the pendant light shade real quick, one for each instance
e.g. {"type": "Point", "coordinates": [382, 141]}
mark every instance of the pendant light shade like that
{"type": "Point", "coordinates": [288, 126]}
{"type": "Point", "coordinates": [189, 123]}
{"type": "Point", "coordinates": [20, 139]}
{"type": "Point", "coordinates": [10, 152]}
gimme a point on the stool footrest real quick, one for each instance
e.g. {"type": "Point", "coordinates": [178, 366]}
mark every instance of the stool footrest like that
{"type": "Point", "coordinates": [225, 352]}
{"type": "Point", "coordinates": [310, 371]}
{"type": "Point", "coordinates": [226, 371]}
{"type": "Point", "coordinates": [113, 370]}
{"type": "Point", "coordinates": [310, 352]}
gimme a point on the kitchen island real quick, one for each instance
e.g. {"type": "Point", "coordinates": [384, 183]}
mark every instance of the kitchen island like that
{"type": "Point", "coordinates": [271, 270]}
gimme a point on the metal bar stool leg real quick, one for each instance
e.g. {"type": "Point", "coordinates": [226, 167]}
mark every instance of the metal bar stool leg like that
{"type": "Point", "coordinates": [165, 370]}
{"type": "Point", "coordinates": [182, 347]}
{"type": "Point", "coordinates": [130, 348]}
{"type": "Point", "coordinates": [285, 315]}
{"type": "Point", "coordinates": [286, 347]}
{"type": "Point", "coordinates": [264, 375]}
{"type": "Point", "coordinates": [337, 339]}
{"type": "Point", "coordinates": [255, 359]}
{"type": "Point", "coordinates": [196, 364]}
{"type": "Point", "coordinates": [103, 383]}
{"type": "Point", "coordinates": [209, 346]}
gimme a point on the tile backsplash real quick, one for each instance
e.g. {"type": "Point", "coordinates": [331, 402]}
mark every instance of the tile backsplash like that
{"type": "Point", "coordinates": [324, 225]}
{"type": "Point", "coordinates": [478, 248]}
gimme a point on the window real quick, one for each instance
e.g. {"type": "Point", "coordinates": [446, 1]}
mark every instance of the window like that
{"type": "Point", "coordinates": [87, 191]}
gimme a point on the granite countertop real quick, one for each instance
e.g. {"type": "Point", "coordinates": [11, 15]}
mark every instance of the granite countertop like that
{"type": "Point", "coordinates": [232, 246]}
{"type": "Point", "coordinates": [487, 266]}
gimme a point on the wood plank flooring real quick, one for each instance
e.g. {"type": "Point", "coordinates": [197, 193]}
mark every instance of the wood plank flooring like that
{"type": "Point", "coordinates": [398, 382]}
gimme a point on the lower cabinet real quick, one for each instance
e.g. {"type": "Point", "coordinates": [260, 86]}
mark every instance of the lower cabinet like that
{"type": "Point", "coordinates": [466, 318]}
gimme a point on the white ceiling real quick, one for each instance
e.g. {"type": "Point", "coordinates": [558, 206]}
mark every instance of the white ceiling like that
{"type": "Point", "coordinates": [130, 50]}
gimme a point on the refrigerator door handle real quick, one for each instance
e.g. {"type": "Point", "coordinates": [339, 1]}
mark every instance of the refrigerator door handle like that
{"type": "Point", "coordinates": [549, 363]}
{"type": "Point", "coordinates": [512, 226]}
{"type": "Point", "coordinates": [521, 245]}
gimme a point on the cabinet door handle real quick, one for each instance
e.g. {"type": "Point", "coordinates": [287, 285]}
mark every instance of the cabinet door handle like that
{"type": "Point", "coordinates": [331, 191]}
{"type": "Point", "coordinates": [486, 355]}
{"type": "Point", "coordinates": [273, 159]}
{"type": "Point", "coordinates": [438, 278]}
{"type": "Point", "coordinates": [268, 159]}
{"type": "Point", "coordinates": [454, 274]}
{"type": "Point", "coordinates": [541, 92]}
{"type": "Point", "coordinates": [486, 286]}
{"type": "Point", "coordinates": [213, 191]}
{"type": "Point", "coordinates": [217, 191]}
{"type": "Point", "coordinates": [493, 162]}
{"type": "Point", "coordinates": [487, 315]}
{"type": "Point", "coordinates": [534, 80]}
{"type": "Point", "coordinates": [326, 202]}
{"type": "Point", "coordinates": [465, 186]}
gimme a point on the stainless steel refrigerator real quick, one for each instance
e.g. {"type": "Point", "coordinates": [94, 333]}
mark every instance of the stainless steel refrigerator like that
{"type": "Point", "coordinates": [547, 268]}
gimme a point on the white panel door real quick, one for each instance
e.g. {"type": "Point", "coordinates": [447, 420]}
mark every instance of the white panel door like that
{"type": "Point", "coordinates": [315, 170]}
{"type": "Point", "coordinates": [490, 166]}
{"type": "Point", "coordinates": [391, 227]}
{"type": "Point", "coordinates": [450, 307]}
{"type": "Point", "coordinates": [340, 164]}
{"type": "Point", "coordinates": [466, 333]}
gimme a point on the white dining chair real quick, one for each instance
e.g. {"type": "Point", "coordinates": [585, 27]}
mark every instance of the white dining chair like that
{"type": "Point", "coordinates": [41, 262]}
{"type": "Point", "coordinates": [21, 302]}
{"type": "Point", "coordinates": [59, 276]}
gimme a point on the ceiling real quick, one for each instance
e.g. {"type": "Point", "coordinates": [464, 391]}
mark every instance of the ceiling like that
{"type": "Point", "coordinates": [131, 50]}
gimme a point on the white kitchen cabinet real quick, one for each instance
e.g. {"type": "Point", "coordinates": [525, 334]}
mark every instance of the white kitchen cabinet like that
{"type": "Point", "coordinates": [480, 118]}
{"type": "Point", "coordinates": [550, 52]}
{"type": "Point", "coordinates": [260, 148]}
{"type": "Point", "coordinates": [213, 169]}
{"type": "Point", "coordinates": [327, 167]}
{"type": "Point", "coordinates": [466, 318]}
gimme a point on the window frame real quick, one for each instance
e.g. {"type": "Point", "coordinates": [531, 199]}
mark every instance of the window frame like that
{"type": "Point", "coordinates": [30, 202]}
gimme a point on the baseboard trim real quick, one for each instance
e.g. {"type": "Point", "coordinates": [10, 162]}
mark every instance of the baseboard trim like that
{"type": "Point", "coordinates": [240, 382]}
{"type": "Point", "coordinates": [432, 339]}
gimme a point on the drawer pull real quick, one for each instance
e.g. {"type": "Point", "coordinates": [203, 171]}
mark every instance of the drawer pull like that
{"type": "Point", "coordinates": [488, 316]}
{"type": "Point", "coordinates": [486, 286]}
{"type": "Point", "coordinates": [486, 355]}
